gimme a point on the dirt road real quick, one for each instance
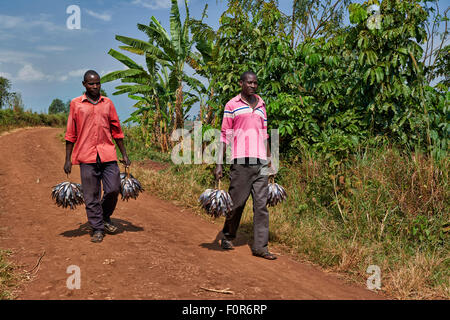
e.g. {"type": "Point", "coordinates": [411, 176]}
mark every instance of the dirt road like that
{"type": "Point", "coordinates": [161, 251]}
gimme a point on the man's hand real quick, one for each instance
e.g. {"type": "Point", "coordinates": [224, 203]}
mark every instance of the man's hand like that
{"type": "Point", "coordinates": [218, 172]}
{"type": "Point", "coordinates": [270, 168]}
{"type": "Point", "coordinates": [126, 162]}
{"type": "Point", "coordinates": [68, 167]}
{"type": "Point", "coordinates": [68, 163]}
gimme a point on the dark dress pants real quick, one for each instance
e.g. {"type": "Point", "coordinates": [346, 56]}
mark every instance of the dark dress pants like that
{"type": "Point", "coordinates": [92, 175]}
{"type": "Point", "coordinates": [247, 179]}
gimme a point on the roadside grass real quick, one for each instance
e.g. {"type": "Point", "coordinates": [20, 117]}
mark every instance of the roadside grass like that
{"type": "Point", "coordinates": [9, 279]}
{"type": "Point", "coordinates": [11, 119]}
{"type": "Point", "coordinates": [383, 208]}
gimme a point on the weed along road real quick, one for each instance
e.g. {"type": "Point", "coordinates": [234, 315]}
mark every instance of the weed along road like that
{"type": "Point", "coordinates": [160, 252]}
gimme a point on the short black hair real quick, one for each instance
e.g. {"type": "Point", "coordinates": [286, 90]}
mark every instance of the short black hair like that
{"type": "Point", "coordinates": [247, 73]}
{"type": "Point", "coordinates": [90, 73]}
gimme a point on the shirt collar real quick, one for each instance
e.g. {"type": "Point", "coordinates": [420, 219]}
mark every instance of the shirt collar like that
{"type": "Point", "coordinates": [258, 105]}
{"type": "Point", "coordinates": [84, 98]}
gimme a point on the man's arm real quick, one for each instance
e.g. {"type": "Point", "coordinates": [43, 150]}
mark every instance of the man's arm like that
{"type": "Point", "coordinates": [125, 160]}
{"type": "Point", "coordinates": [269, 159]}
{"type": "Point", "coordinates": [68, 163]}
{"type": "Point", "coordinates": [218, 172]}
{"type": "Point", "coordinates": [227, 124]}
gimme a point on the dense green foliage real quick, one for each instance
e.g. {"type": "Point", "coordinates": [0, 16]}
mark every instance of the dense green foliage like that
{"type": "Point", "coordinates": [57, 106]}
{"type": "Point", "coordinates": [18, 118]}
{"type": "Point", "coordinates": [5, 85]}
{"type": "Point", "coordinates": [338, 87]}
{"type": "Point", "coordinates": [332, 92]}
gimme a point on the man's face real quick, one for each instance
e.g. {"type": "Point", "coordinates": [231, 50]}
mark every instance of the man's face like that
{"type": "Point", "coordinates": [249, 85]}
{"type": "Point", "coordinates": [92, 85]}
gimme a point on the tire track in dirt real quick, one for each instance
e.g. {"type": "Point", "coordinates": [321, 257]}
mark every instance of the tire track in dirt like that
{"type": "Point", "coordinates": [161, 251]}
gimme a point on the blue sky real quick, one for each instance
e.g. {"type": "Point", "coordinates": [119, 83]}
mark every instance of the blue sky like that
{"type": "Point", "coordinates": [45, 60]}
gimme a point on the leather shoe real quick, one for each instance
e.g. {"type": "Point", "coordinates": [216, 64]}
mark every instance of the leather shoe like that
{"type": "Point", "coordinates": [227, 244]}
{"type": "Point", "coordinates": [109, 227]}
{"type": "Point", "coordinates": [265, 255]}
{"type": "Point", "coordinates": [97, 236]}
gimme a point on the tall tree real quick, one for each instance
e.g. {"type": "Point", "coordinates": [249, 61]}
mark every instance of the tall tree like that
{"type": "Point", "coordinates": [57, 106]}
{"type": "Point", "coordinates": [15, 101]}
{"type": "Point", "coordinates": [5, 85]}
{"type": "Point", "coordinates": [162, 52]}
{"type": "Point", "coordinates": [171, 51]}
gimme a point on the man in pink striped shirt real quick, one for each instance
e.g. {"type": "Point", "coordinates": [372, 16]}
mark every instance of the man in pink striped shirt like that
{"type": "Point", "coordinates": [244, 127]}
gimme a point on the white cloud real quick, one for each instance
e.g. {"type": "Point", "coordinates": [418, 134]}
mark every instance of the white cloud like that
{"type": "Point", "coordinates": [10, 22]}
{"type": "Point", "coordinates": [52, 48]}
{"type": "Point", "coordinates": [26, 23]}
{"type": "Point", "coordinates": [77, 73]}
{"type": "Point", "coordinates": [27, 73]}
{"type": "Point", "coordinates": [14, 56]}
{"type": "Point", "coordinates": [6, 75]}
{"type": "Point", "coordinates": [101, 16]}
{"type": "Point", "coordinates": [103, 72]}
{"type": "Point", "coordinates": [153, 4]}
{"type": "Point", "coordinates": [32, 28]}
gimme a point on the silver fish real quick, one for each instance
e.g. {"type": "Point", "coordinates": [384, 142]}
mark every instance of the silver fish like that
{"type": "Point", "coordinates": [130, 187]}
{"type": "Point", "coordinates": [216, 202]}
{"type": "Point", "coordinates": [276, 194]}
{"type": "Point", "coordinates": [67, 194]}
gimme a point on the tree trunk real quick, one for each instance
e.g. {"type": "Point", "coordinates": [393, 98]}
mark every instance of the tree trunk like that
{"type": "Point", "coordinates": [179, 107]}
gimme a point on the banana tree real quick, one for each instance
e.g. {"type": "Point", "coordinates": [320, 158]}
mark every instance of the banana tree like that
{"type": "Point", "coordinates": [161, 85]}
{"type": "Point", "coordinates": [171, 51]}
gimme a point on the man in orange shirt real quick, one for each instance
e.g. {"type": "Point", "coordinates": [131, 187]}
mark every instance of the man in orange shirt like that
{"type": "Point", "coordinates": [91, 126]}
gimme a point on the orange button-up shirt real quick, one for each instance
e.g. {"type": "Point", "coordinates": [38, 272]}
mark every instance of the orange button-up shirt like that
{"type": "Point", "coordinates": [92, 128]}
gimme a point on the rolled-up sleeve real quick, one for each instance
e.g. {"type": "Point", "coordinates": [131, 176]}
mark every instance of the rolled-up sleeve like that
{"type": "Point", "coordinates": [227, 125]}
{"type": "Point", "coordinates": [116, 129]}
{"type": "Point", "coordinates": [71, 129]}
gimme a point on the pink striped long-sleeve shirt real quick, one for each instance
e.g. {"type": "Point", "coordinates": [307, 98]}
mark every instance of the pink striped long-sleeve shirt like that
{"type": "Point", "coordinates": [245, 128]}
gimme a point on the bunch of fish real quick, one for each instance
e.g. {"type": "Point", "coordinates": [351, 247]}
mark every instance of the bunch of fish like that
{"type": "Point", "coordinates": [68, 194]}
{"type": "Point", "coordinates": [129, 186]}
{"type": "Point", "coordinates": [216, 202]}
{"type": "Point", "coordinates": [276, 194]}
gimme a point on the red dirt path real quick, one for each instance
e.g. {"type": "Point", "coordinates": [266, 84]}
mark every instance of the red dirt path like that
{"type": "Point", "coordinates": [161, 251]}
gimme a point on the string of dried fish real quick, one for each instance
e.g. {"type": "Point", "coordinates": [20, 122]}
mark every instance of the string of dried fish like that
{"type": "Point", "coordinates": [130, 187]}
{"type": "Point", "coordinates": [216, 202]}
{"type": "Point", "coordinates": [68, 194]}
{"type": "Point", "coordinates": [276, 194]}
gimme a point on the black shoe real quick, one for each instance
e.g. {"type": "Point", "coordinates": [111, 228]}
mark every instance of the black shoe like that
{"type": "Point", "coordinates": [265, 255]}
{"type": "Point", "coordinates": [109, 227]}
{"type": "Point", "coordinates": [227, 244]}
{"type": "Point", "coordinates": [97, 236]}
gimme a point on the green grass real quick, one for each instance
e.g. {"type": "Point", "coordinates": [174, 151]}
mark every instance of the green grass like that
{"type": "Point", "coordinates": [384, 207]}
{"type": "Point", "coordinates": [10, 119]}
{"type": "Point", "coordinates": [8, 278]}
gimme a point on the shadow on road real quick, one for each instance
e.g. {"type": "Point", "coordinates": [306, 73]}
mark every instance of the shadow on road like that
{"type": "Point", "coordinates": [84, 229]}
{"type": "Point", "coordinates": [240, 240]}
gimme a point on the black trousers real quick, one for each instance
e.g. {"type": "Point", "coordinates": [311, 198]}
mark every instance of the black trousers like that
{"type": "Point", "coordinates": [92, 176]}
{"type": "Point", "coordinates": [249, 179]}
